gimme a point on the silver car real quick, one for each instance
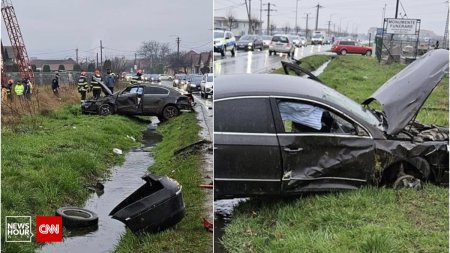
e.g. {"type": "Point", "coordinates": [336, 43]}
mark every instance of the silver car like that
{"type": "Point", "coordinates": [281, 44]}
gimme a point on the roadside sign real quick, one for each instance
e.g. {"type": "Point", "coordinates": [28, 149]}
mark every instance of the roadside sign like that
{"type": "Point", "coordinates": [401, 26]}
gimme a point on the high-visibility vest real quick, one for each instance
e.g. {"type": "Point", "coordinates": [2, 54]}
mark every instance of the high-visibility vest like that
{"type": "Point", "coordinates": [82, 84]}
{"type": "Point", "coordinates": [18, 89]}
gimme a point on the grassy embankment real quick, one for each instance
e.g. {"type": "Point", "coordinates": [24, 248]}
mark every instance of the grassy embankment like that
{"type": "Point", "coordinates": [309, 63]}
{"type": "Point", "coordinates": [189, 235]}
{"type": "Point", "coordinates": [367, 220]}
{"type": "Point", "coordinates": [47, 161]}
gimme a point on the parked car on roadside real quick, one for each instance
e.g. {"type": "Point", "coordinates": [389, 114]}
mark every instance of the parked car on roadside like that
{"type": "Point", "coordinates": [295, 39]}
{"type": "Point", "coordinates": [165, 77]}
{"type": "Point", "coordinates": [142, 99]}
{"type": "Point", "coordinates": [224, 41]}
{"type": "Point", "coordinates": [266, 40]}
{"type": "Point", "coordinates": [317, 39]}
{"type": "Point", "coordinates": [350, 47]}
{"type": "Point", "coordinates": [250, 42]}
{"type": "Point", "coordinates": [207, 85]}
{"type": "Point", "coordinates": [285, 135]}
{"type": "Point", "coordinates": [303, 42]}
{"type": "Point", "coordinates": [281, 43]}
{"type": "Point", "coordinates": [155, 78]}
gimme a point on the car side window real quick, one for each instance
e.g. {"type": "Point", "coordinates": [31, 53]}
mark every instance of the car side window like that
{"type": "Point", "coordinates": [243, 115]}
{"type": "Point", "coordinates": [301, 117]}
{"type": "Point", "coordinates": [156, 91]}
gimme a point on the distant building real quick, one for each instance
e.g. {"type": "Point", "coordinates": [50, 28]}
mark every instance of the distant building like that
{"type": "Point", "coordinates": [239, 27]}
{"type": "Point", "coordinates": [54, 64]}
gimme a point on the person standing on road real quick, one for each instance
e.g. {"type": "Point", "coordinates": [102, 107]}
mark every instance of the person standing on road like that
{"type": "Point", "coordinates": [96, 87]}
{"type": "Point", "coordinates": [55, 85]}
{"type": "Point", "coordinates": [109, 80]}
{"type": "Point", "coordinates": [83, 85]}
{"type": "Point", "coordinates": [437, 44]}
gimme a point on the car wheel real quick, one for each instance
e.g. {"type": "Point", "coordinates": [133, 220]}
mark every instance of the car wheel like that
{"type": "Point", "coordinates": [233, 51]}
{"type": "Point", "coordinates": [77, 217]}
{"type": "Point", "coordinates": [105, 109]}
{"type": "Point", "coordinates": [170, 111]}
{"type": "Point", "coordinates": [343, 52]}
{"type": "Point", "coordinates": [369, 53]}
{"type": "Point", "coordinates": [407, 181]}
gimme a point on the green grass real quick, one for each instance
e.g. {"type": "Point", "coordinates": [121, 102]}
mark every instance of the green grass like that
{"type": "Point", "coordinates": [366, 220]}
{"type": "Point", "coordinates": [189, 235]}
{"type": "Point", "coordinates": [48, 160]}
{"type": "Point", "coordinates": [309, 63]}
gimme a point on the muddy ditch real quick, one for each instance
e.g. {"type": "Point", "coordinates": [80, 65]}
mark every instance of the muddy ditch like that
{"type": "Point", "coordinates": [123, 181]}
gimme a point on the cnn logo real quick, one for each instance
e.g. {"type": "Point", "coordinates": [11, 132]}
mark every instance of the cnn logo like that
{"type": "Point", "coordinates": [48, 228]}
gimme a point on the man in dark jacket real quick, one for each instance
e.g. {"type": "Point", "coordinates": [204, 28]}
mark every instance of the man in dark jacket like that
{"type": "Point", "coordinates": [55, 85]}
{"type": "Point", "coordinates": [109, 80]}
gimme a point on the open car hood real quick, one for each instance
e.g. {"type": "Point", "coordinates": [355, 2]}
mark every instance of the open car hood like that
{"type": "Point", "coordinates": [402, 96]}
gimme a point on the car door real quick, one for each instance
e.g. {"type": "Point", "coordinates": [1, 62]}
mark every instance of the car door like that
{"type": "Point", "coordinates": [155, 98]}
{"type": "Point", "coordinates": [352, 47]}
{"type": "Point", "coordinates": [246, 152]}
{"type": "Point", "coordinates": [128, 101]}
{"type": "Point", "coordinates": [322, 149]}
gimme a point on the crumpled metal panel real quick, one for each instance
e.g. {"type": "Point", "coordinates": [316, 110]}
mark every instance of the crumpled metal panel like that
{"type": "Point", "coordinates": [404, 94]}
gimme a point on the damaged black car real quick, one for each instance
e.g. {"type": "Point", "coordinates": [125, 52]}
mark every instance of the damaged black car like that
{"type": "Point", "coordinates": [141, 99]}
{"type": "Point", "coordinates": [294, 134]}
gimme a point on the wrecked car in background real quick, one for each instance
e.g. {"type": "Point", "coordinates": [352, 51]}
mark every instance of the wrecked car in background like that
{"type": "Point", "coordinates": [294, 134]}
{"type": "Point", "coordinates": [140, 99]}
{"type": "Point", "coordinates": [155, 206]}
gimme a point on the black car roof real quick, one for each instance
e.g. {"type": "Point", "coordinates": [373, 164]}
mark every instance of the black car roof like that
{"type": "Point", "coordinates": [267, 84]}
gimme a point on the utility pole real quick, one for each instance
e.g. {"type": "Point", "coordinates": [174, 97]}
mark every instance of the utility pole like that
{"type": "Point", "coordinates": [296, 12]}
{"type": "Point", "coordinates": [248, 7]}
{"type": "Point", "coordinates": [178, 47]}
{"type": "Point", "coordinates": [384, 15]}
{"type": "Point", "coordinates": [76, 52]}
{"type": "Point", "coordinates": [97, 61]}
{"type": "Point", "coordinates": [445, 42]}
{"type": "Point", "coordinates": [329, 23]}
{"type": "Point", "coordinates": [307, 18]}
{"type": "Point", "coordinates": [318, 6]}
{"type": "Point", "coordinates": [101, 55]}
{"type": "Point", "coordinates": [269, 9]}
{"type": "Point", "coordinates": [260, 13]}
{"type": "Point", "coordinates": [396, 9]}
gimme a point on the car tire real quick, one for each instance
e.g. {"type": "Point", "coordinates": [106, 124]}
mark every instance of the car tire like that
{"type": "Point", "coordinates": [369, 53]}
{"type": "Point", "coordinates": [233, 51]}
{"type": "Point", "coordinates": [77, 217]}
{"type": "Point", "coordinates": [105, 110]}
{"type": "Point", "coordinates": [407, 181]}
{"type": "Point", "coordinates": [170, 111]}
{"type": "Point", "coordinates": [343, 52]}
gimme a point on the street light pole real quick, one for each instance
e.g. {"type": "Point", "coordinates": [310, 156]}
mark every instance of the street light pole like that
{"type": "Point", "coordinates": [296, 13]}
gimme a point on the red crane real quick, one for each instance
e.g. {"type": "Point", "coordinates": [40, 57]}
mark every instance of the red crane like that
{"type": "Point", "coordinates": [17, 43]}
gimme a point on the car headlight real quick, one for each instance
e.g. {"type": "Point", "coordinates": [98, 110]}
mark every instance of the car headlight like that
{"type": "Point", "coordinates": [192, 85]}
{"type": "Point", "coordinates": [250, 43]}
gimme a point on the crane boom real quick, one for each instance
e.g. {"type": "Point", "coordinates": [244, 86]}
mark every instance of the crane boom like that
{"type": "Point", "coordinates": [16, 38]}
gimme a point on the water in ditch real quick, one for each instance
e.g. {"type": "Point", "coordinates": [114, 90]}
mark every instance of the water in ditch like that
{"type": "Point", "coordinates": [124, 180]}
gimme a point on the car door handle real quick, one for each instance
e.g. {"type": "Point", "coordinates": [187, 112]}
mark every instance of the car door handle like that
{"type": "Point", "coordinates": [292, 150]}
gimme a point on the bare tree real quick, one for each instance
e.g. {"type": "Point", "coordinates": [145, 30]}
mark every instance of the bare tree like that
{"type": "Point", "coordinates": [118, 65]}
{"type": "Point", "coordinates": [231, 19]}
{"type": "Point", "coordinates": [256, 25]}
{"type": "Point", "coordinates": [154, 52]}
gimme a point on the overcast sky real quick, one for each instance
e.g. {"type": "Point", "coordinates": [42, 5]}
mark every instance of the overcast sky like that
{"type": "Point", "coordinates": [53, 29]}
{"type": "Point", "coordinates": [358, 15]}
